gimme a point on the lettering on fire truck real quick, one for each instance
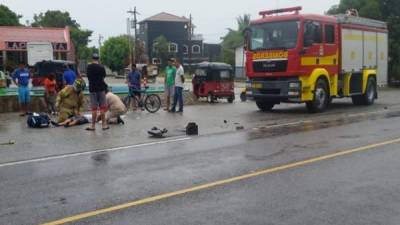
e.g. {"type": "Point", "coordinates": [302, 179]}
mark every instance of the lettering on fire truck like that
{"type": "Point", "coordinates": [270, 55]}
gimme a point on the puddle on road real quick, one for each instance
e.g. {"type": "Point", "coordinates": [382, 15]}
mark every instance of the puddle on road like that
{"type": "Point", "coordinates": [100, 159]}
{"type": "Point", "coordinates": [266, 132]}
{"type": "Point", "coordinates": [392, 115]}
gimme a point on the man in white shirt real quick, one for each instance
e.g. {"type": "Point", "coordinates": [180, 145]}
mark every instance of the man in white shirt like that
{"type": "Point", "coordinates": [179, 83]}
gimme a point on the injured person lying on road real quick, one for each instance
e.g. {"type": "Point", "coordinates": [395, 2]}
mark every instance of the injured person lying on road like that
{"type": "Point", "coordinates": [73, 121]}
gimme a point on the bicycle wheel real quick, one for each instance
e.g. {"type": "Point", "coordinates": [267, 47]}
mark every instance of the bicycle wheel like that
{"type": "Point", "coordinates": [152, 103]}
{"type": "Point", "coordinates": [127, 102]}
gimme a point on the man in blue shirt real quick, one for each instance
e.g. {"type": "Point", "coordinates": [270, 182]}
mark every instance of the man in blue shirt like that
{"type": "Point", "coordinates": [21, 78]}
{"type": "Point", "coordinates": [133, 81]}
{"type": "Point", "coordinates": [69, 76]}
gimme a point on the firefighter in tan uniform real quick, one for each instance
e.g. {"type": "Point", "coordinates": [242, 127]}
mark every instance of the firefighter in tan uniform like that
{"type": "Point", "coordinates": [70, 100]}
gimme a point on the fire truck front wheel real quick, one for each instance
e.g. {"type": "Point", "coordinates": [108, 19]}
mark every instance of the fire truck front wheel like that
{"type": "Point", "coordinates": [321, 97]}
{"type": "Point", "coordinates": [264, 105]}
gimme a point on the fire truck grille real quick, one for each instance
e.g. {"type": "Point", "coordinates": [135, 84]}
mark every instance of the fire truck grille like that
{"type": "Point", "coordinates": [270, 66]}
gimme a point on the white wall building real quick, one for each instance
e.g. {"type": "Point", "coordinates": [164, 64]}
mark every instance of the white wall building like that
{"type": "Point", "coordinates": [240, 60]}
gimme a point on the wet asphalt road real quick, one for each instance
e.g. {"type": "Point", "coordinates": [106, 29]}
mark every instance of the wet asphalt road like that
{"type": "Point", "coordinates": [358, 188]}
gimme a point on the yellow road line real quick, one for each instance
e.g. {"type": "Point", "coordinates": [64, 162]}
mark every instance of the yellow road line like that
{"type": "Point", "coordinates": [217, 183]}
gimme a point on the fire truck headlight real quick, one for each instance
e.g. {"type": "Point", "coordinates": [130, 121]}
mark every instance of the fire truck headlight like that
{"type": "Point", "coordinates": [248, 85]}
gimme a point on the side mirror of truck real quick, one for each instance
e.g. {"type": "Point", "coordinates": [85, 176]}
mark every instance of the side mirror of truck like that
{"type": "Point", "coordinates": [246, 34]}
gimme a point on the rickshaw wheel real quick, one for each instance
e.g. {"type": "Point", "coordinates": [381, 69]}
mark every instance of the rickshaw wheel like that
{"type": "Point", "coordinates": [231, 99]}
{"type": "Point", "coordinates": [243, 97]}
{"type": "Point", "coordinates": [210, 98]}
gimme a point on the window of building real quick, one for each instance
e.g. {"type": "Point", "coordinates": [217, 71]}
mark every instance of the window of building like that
{"type": "Point", "coordinates": [154, 46]}
{"type": "Point", "coordinates": [173, 47]}
{"type": "Point", "coordinates": [142, 28]}
{"type": "Point", "coordinates": [156, 61]}
{"type": "Point", "coordinates": [196, 49]}
{"type": "Point", "coordinates": [329, 34]}
{"type": "Point", "coordinates": [185, 49]}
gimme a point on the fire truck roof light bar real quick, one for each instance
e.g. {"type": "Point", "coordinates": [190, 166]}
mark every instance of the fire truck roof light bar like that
{"type": "Point", "coordinates": [275, 11]}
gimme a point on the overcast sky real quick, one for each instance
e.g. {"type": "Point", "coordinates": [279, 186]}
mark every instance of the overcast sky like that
{"type": "Point", "coordinates": [108, 17]}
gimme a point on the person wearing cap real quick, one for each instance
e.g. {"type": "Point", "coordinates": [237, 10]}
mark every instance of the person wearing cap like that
{"type": "Point", "coordinates": [70, 100]}
{"type": "Point", "coordinates": [21, 77]}
{"type": "Point", "coordinates": [97, 88]}
{"type": "Point", "coordinates": [169, 83]}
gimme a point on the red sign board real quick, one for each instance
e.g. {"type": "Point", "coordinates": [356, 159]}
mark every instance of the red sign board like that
{"type": "Point", "coordinates": [16, 46]}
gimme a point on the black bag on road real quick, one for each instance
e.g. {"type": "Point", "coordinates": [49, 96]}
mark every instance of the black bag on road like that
{"type": "Point", "coordinates": [38, 120]}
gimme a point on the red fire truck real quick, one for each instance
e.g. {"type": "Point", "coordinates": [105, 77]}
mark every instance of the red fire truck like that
{"type": "Point", "coordinates": [306, 58]}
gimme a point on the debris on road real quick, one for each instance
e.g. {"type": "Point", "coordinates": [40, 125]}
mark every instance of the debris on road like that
{"type": "Point", "coordinates": [192, 129]}
{"type": "Point", "coordinates": [157, 133]}
{"type": "Point", "coordinates": [10, 142]}
{"type": "Point", "coordinates": [240, 128]}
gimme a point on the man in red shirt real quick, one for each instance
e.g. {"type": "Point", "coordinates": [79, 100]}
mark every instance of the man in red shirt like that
{"type": "Point", "coordinates": [50, 93]}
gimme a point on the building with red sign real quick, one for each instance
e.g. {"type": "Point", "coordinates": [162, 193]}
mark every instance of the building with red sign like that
{"type": "Point", "coordinates": [14, 41]}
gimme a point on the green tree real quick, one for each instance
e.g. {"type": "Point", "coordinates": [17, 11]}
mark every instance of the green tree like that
{"type": "Point", "coordinates": [366, 8]}
{"type": "Point", "coordinates": [55, 18]}
{"type": "Point", "coordinates": [115, 52]}
{"type": "Point", "coordinates": [80, 39]}
{"type": "Point", "coordinates": [234, 39]}
{"type": "Point", "coordinates": [386, 10]}
{"type": "Point", "coordinates": [8, 17]}
{"type": "Point", "coordinates": [160, 49]}
{"type": "Point", "coordinates": [87, 53]}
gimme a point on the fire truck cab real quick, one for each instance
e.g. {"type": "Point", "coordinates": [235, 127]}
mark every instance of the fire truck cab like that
{"type": "Point", "coordinates": [306, 58]}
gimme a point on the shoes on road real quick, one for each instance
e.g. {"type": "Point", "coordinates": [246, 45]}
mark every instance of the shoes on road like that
{"type": "Point", "coordinates": [120, 121]}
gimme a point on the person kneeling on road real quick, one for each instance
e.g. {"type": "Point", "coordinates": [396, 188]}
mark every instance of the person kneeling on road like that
{"type": "Point", "coordinates": [116, 109]}
{"type": "Point", "coordinates": [70, 101]}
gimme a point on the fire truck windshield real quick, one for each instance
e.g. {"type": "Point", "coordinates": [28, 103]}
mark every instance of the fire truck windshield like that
{"type": "Point", "coordinates": [274, 35]}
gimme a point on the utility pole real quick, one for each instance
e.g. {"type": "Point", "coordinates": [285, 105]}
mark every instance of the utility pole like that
{"type": "Point", "coordinates": [134, 13]}
{"type": "Point", "coordinates": [100, 43]}
{"type": "Point", "coordinates": [128, 31]}
{"type": "Point", "coordinates": [190, 47]}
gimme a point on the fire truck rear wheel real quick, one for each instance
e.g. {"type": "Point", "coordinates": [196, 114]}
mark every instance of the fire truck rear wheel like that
{"type": "Point", "coordinates": [369, 97]}
{"type": "Point", "coordinates": [370, 93]}
{"type": "Point", "coordinates": [265, 106]}
{"type": "Point", "coordinates": [321, 97]}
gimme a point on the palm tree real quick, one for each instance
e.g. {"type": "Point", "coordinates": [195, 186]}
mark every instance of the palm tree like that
{"type": "Point", "coordinates": [243, 22]}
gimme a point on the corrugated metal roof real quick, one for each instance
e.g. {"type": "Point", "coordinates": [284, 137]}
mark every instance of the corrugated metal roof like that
{"type": "Point", "coordinates": [33, 34]}
{"type": "Point", "coordinates": [166, 17]}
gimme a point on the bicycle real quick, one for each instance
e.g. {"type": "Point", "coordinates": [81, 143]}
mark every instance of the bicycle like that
{"type": "Point", "coordinates": [152, 102]}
